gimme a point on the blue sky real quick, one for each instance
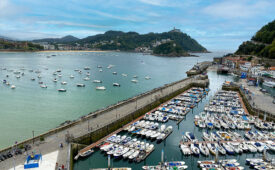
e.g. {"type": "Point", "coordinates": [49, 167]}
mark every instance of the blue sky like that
{"type": "Point", "coordinates": [217, 25]}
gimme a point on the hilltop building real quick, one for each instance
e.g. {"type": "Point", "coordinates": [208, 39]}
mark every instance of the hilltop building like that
{"type": "Point", "coordinates": [175, 30]}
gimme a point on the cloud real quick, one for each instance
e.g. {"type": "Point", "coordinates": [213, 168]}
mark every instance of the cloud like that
{"type": "Point", "coordinates": [124, 18]}
{"type": "Point", "coordinates": [158, 2]}
{"type": "Point", "coordinates": [230, 9]}
{"type": "Point", "coordinates": [70, 24]}
{"type": "Point", "coordinates": [7, 8]}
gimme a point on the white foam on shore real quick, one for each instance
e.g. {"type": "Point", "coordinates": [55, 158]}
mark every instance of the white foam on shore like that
{"type": "Point", "coordinates": [48, 162]}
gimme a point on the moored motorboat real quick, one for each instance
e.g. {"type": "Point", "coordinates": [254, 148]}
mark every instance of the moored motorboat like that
{"type": "Point", "coordinates": [97, 81]}
{"type": "Point", "coordinates": [134, 80]}
{"type": "Point", "coordinates": [13, 86]}
{"type": "Point", "coordinates": [100, 88]}
{"type": "Point", "coordinates": [116, 84]}
{"type": "Point", "coordinates": [62, 90]}
{"type": "Point", "coordinates": [80, 85]}
{"type": "Point", "coordinates": [43, 86]}
{"type": "Point", "coordinates": [86, 153]}
{"type": "Point", "coordinates": [195, 150]}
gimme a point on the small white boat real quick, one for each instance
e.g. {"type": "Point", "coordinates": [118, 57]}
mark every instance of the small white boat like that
{"type": "Point", "coordinates": [43, 86]}
{"type": "Point", "coordinates": [270, 145]}
{"type": "Point", "coordinates": [114, 73]}
{"type": "Point", "coordinates": [195, 150]}
{"type": "Point", "coordinates": [134, 155]}
{"type": "Point", "coordinates": [110, 66]}
{"type": "Point", "coordinates": [204, 150]}
{"type": "Point", "coordinates": [147, 78]}
{"type": "Point", "coordinates": [185, 149]}
{"type": "Point", "coordinates": [62, 90]}
{"type": "Point", "coordinates": [13, 86]}
{"type": "Point", "coordinates": [127, 154]}
{"type": "Point", "coordinates": [86, 79]}
{"type": "Point", "coordinates": [124, 75]}
{"type": "Point", "coordinates": [100, 88]}
{"type": "Point", "coordinates": [87, 68]}
{"type": "Point", "coordinates": [80, 85]}
{"type": "Point", "coordinates": [134, 80]}
{"type": "Point", "coordinates": [100, 70]}
{"type": "Point", "coordinates": [97, 81]}
{"type": "Point", "coordinates": [72, 76]}
{"type": "Point", "coordinates": [269, 84]}
{"type": "Point", "coordinates": [161, 137]}
{"type": "Point", "coordinates": [135, 76]}
{"type": "Point", "coordinates": [116, 84]}
{"type": "Point", "coordinates": [63, 82]}
{"type": "Point", "coordinates": [55, 80]}
{"type": "Point", "coordinates": [32, 79]}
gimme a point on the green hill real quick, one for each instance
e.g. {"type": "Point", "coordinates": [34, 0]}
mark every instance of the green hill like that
{"type": "Point", "coordinates": [262, 44]}
{"type": "Point", "coordinates": [18, 45]}
{"type": "Point", "coordinates": [66, 39]}
{"type": "Point", "coordinates": [169, 49]}
{"type": "Point", "coordinates": [131, 40]}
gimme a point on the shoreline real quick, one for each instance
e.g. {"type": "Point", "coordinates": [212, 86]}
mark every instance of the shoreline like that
{"type": "Point", "coordinates": [191, 54]}
{"type": "Point", "coordinates": [48, 51]}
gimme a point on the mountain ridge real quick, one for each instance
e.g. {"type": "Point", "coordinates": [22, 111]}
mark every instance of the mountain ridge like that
{"type": "Point", "coordinates": [129, 41]}
{"type": "Point", "coordinates": [65, 39]}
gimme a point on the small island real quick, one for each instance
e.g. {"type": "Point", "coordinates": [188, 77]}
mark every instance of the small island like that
{"type": "Point", "coordinates": [170, 49]}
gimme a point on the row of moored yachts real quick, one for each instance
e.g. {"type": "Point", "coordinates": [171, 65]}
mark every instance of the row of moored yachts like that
{"type": "Point", "coordinates": [126, 148]}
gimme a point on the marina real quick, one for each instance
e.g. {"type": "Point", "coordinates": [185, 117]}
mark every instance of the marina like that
{"type": "Point", "coordinates": [225, 111]}
{"type": "Point", "coordinates": [169, 144]}
{"type": "Point", "coordinates": [175, 113]}
{"type": "Point", "coordinates": [147, 129]}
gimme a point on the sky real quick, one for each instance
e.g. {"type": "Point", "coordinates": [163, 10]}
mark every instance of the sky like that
{"type": "Point", "coordinates": [219, 25]}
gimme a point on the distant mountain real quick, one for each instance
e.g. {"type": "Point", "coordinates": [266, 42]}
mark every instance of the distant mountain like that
{"type": "Point", "coordinates": [6, 38]}
{"type": "Point", "coordinates": [262, 43]}
{"type": "Point", "coordinates": [130, 41]}
{"type": "Point", "coordinates": [118, 40]}
{"type": "Point", "coordinates": [66, 39]}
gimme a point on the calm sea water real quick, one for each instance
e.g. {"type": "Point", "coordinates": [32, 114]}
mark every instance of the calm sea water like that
{"type": "Point", "coordinates": [29, 107]}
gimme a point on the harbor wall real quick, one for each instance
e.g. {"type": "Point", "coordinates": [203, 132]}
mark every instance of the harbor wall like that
{"type": "Point", "coordinates": [138, 107]}
{"type": "Point", "coordinates": [252, 110]}
{"type": "Point", "coordinates": [132, 108]}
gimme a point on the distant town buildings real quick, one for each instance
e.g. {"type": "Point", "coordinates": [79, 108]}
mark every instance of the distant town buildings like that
{"type": "Point", "coordinates": [46, 46]}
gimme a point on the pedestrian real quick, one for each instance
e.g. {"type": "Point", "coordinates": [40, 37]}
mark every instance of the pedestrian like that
{"type": "Point", "coordinates": [63, 166]}
{"type": "Point", "coordinates": [61, 145]}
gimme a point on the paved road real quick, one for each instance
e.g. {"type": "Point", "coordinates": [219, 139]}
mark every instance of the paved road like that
{"type": "Point", "coordinates": [260, 100]}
